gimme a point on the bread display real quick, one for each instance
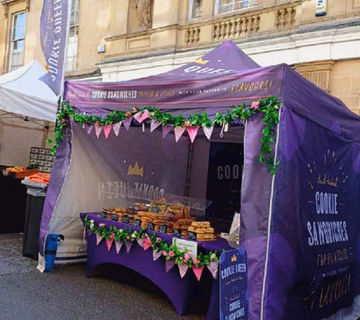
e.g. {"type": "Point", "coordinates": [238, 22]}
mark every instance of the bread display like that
{"type": "Point", "coordinates": [160, 216]}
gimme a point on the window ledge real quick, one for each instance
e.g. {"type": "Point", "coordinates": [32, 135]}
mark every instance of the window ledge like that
{"type": "Point", "coordinates": [6, 4]}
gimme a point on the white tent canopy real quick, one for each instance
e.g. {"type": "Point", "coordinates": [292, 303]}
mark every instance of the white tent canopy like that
{"type": "Point", "coordinates": [22, 93]}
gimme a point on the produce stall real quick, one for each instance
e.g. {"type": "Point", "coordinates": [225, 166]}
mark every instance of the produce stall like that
{"type": "Point", "coordinates": [152, 137]}
{"type": "Point", "coordinates": [27, 109]}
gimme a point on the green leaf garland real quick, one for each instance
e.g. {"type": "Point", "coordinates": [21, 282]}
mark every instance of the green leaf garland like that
{"type": "Point", "coordinates": [269, 107]}
{"type": "Point", "coordinates": [156, 243]}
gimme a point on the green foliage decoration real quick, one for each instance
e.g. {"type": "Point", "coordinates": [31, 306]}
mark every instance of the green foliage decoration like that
{"type": "Point", "coordinates": [269, 107]}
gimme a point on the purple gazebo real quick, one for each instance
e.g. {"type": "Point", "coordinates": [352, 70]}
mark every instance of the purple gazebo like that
{"type": "Point", "coordinates": [300, 226]}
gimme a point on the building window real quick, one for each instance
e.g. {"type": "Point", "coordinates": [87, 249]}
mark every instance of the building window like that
{"type": "Point", "coordinates": [228, 6]}
{"type": "Point", "coordinates": [72, 48]}
{"type": "Point", "coordinates": [17, 45]}
{"type": "Point", "coordinates": [195, 9]}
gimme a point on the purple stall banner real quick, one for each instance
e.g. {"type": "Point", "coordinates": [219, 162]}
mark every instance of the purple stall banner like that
{"type": "Point", "coordinates": [233, 285]}
{"type": "Point", "coordinates": [53, 32]}
{"type": "Point", "coordinates": [313, 268]}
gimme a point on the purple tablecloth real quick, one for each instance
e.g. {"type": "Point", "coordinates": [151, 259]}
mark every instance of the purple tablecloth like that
{"type": "Point", "coordinates": [181, 292]}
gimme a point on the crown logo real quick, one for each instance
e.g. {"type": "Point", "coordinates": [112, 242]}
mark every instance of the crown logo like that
{"type": "Point", "coordinates": [233, 258]}
{"type": "Point", "coordinates": [201, 61]}
{"type": "Point", "coordinates": [135, 170]}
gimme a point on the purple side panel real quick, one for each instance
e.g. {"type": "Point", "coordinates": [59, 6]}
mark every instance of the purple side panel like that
{"type": "Point", "coordinates": [313, 264]}
{"type": "Point", "coordinates": [58, 174]}
{"type": "Point", "coordinates": [255, 200]}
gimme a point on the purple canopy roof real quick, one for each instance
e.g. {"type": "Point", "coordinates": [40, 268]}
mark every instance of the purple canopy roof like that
{"type": "Point", "coordinates": [222, 78]}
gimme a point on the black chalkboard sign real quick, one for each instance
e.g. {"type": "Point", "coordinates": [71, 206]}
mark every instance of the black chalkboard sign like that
{"type": "Point", "coordinates": [150, 226]}
{"type": "Point", "coordinates": [177, 232]}
{"type": "Point", "coordinates": [163, 228]}
{"type": "Point", "coordinates": [191, 235]}
{"type": "Point", "coordinates": [137, 222]}
{"type": "Point", "coordinates": [125, 219]}
{"type": "Point", "coordinates": [114, 217]}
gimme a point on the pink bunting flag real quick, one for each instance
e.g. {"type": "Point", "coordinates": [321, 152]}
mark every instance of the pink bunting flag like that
{"type": "Point", "coordinates": [98, 239]}
{"type": "Point", "coordinates": [116, 128]}
{"type": "Point", "coordinates": [183, 268]}
{"type": "Point", "coordinates": [147, 243]}
{"type": "Point", "coordinates": [118, 246]}
{"type": "Point", "coordinates": [166, 130]}
{"type": "Point", "coordinates": [140, 242]}
{"type": "Point", "coordinates": [109, 243]}
{"type": "Point", "coordinates": [198, 271]}
{"type": "Point", "coordinates": [208, 131]}
{"type": "Point", "coordinates": [89, 129]}
{"type": "Point", "coordinates": [179, 132]}
{"type": "Point", "coordinates": [213, 267]}
{"type": "Point", "coordinates": [142, 116]}
{"type": "Point", "coordinates": [156, 255]}
{"type": "Point", "coordinates": [154, 125]}
{"type": "Point", "coordinates": [107, 130]}
{"type": "Point", "coordinates": [128, 245]}
{"type": "Point", "coordinates": [169, 265]}
{"type": "Point", "coordinates": [192, 132]}
{"type": "Point", "coordinates": [98, 130]}
{"type": "Point", "coordinates": [127, 123]}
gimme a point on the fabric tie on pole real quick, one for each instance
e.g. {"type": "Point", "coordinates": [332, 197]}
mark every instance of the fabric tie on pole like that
{"type": "Point", "coordinates": [179, 132]}
{"type": "Point", "coordinates": [222, 130]}
{"type": "Point", "coordinates": [107, 130]}
{"type": "Point", "coordinates": [116, 128]}
{"type": "Point", "coordinates": [192, 132]}
{"type": "Point", "coordinates": [208, 131]}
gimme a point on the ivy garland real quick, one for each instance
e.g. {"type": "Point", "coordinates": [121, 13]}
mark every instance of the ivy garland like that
{"type": "Point", "coordinates": [269, 107]}
{"type": "Point", "coordinates": [155, 242]}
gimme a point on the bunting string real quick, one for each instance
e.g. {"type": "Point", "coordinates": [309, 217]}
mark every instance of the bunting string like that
{"type": "Point", "coordinates": [173, 256]}
{"type": "Point", "coordinates": [269, 107]}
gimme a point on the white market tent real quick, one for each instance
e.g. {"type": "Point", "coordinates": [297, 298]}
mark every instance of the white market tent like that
{"type": "Point", "coordinates": [27, 110]}
{"type": "Point", "coordinates": [22, 93]}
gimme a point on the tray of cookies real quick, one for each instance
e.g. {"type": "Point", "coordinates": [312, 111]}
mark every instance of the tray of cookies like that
{"type": "Point", "coordinates": [201, 231]}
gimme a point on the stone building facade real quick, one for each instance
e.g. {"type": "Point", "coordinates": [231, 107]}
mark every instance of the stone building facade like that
{"type": "Point", "coordinates": [115, 40]}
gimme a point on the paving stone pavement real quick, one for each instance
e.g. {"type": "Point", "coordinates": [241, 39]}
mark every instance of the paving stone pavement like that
{"type": "Point", "coordinates": [66, 294]}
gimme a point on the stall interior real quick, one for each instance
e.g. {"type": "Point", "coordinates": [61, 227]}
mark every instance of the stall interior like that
{"type": "Point", "coordinates": [153, 181]}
